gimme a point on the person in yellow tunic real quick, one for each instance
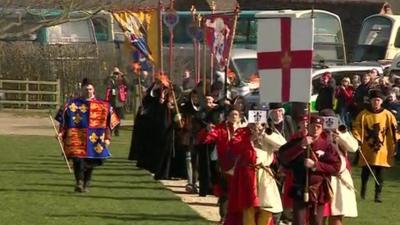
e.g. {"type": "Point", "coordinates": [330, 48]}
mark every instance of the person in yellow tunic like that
{"type": "Point", "coordinates": [376, 130]}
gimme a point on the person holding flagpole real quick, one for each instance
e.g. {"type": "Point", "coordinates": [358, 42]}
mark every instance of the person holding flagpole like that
{"type": "Point", "coordinates": [85, 129]}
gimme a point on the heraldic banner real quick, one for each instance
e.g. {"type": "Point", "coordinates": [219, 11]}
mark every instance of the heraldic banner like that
{"type": "Point", "coordinates": [133, 25]}
{"type": "Point", "coordinates": [219, 32]}
{"type": "Point", "coordinates": [285, 50]}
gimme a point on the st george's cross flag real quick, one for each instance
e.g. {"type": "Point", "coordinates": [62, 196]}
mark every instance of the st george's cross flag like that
{"type": "Point", "coordinates": [284, 52]}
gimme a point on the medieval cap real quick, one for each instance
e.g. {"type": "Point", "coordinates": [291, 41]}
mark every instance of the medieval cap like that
{"type": "Point", "coordinates": [317, 120]}
{"type": "Point", "coordinates": [275, 105]}
{"type": "Point", "coordinates": [326, 112]}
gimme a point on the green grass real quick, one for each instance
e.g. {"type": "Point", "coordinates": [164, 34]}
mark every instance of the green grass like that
{"type": "Point", "coordinates": [371, 213]}
{"type": "Point", "coordinates": [36, 188]}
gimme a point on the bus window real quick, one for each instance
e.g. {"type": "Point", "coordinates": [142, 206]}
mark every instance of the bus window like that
{"type": "Point", "coordinates": [373, 39]}
{"type": "Point", "coordinates": [397, 41]}
{"type": "Point", "coordinates": [328, 38]}
{"type": "Point", "coordinates": [101, 28]}
{"type": "Point", "coordinates": [71, 32]}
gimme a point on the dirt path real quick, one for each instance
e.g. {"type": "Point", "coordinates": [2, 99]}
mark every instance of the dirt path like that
{"type": "Point", "coordinates": [31, 124]}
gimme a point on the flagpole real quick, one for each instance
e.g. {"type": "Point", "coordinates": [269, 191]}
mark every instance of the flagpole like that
{"type": "Point", "coordinates": [171, 42]}
{"type": "Point", "coordinates": [160, 24]}
{"type": "Point", "coordinates": [193, 10]}
{"type": "Point", "coordinates": [60, 143]}
{"type": "Point", "coordinates": [213, 8]}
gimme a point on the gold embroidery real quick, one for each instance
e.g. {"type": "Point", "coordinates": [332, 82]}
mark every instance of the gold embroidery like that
{"type": "Point", "coordinates": [83, 108]}
{"type": "Point", "coordinates": [98, 148]}
{"type": "Point", "coordinates": [286, 60]}
{"type": "Point", "coordinates": [77, 119]}
{"type": "Point", "coordinates": [73, 107]}
{"type": "Point", "coordinates": [102, 137]}
{"type": "Point", "coordinates": [93, 137]}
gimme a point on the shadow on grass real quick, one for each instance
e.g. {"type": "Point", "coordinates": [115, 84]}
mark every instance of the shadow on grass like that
{"type": "Point", "coordinates": [134, 216]}
{"type": "Point", "coordinates": [122, 198]}
{"type": "Point", "coordinates": [34, 190]}
{"type": "Point", "coordinates": [94, 185]}
{"type": "Point", "coordinates": [33, 171]}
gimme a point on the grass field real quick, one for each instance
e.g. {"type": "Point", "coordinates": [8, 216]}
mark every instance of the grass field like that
{"type": "Point", "coordinates": [37, 189]}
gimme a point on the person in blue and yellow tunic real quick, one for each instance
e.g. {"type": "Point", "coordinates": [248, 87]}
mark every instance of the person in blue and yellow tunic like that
{"type": "Point", "coordinates": [376, 129]}
{"type": "Point", "coordinates": [85, 128]}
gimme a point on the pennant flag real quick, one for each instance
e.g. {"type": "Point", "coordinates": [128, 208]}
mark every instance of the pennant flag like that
{"type": "Point", "coordinates": [135, 30]}
{"type": "Point", "coordinates": [219, 32]}
{"type": "Point", "coordinates": [285, 50]}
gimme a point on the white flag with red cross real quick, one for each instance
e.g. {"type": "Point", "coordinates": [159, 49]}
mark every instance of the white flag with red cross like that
{"type": "Point", "coordinates": [285, 50]}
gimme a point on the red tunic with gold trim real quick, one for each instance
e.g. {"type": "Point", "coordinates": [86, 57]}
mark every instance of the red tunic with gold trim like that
{"type": "Point", "coordinates": [85, 125]}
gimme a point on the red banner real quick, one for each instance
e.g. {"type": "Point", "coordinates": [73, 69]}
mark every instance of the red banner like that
{"type": "Point", "coordinates": [219, 33]}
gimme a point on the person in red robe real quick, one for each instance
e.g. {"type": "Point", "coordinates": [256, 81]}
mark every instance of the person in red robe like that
{"type": "Point", "coordinates": [221, 134]}
{"type": "Point", "coordinates": [322, 163]}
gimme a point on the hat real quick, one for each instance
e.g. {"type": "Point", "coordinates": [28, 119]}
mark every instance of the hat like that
{"type": "Point", "coordinates": [375, 94]}
{"type": "Point", "coordinates": [326, 112]}
{"type": "Point", "coordinates": [116, 70]}
{"type": "Point", "coordinates": [317, 120]}
{"type": "Point", "coordinates": [303, 118]}
{"type": "Point", "coordinates": [275, 105]}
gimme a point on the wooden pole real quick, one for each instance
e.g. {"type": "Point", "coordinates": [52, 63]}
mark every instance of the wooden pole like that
{"type": "Point", "coordinates": [160, 47]}
{"type": "Point", "coordinates": [61, 145]}
{"type": "Point", "coordinates": [308, 152]}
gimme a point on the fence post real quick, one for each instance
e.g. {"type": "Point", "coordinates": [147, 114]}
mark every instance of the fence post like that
{"type": "Point", "coordinates": [58, 95]}
{"type": "Point", "coordinates": [26, 94]}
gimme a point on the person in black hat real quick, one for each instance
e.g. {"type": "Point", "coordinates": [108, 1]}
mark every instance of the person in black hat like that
{"type": "Point", "coordinates": [279, 122]}
{"type": "Point", "coordinates": [376, 130]}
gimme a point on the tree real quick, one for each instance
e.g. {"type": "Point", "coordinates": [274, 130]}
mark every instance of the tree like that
{"type": "Point", "coordinates": [21, 18]}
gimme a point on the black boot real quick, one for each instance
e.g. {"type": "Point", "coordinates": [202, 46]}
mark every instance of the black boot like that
{"type": "Point", "coordinates": [363, 191]}
{"type": "Point", "coordinates": [87, 179]}
{"type": "Point", "coordinates": [378, 198]}
{"type": "Point", "coordinates": [79, 186]}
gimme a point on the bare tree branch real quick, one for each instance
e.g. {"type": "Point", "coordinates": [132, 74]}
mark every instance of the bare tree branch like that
{"type": "Point", "coordinates": [36, 14]}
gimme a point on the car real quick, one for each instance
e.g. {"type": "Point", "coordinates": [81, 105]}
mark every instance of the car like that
{"type": "Point", "coordinates": [243, 64]}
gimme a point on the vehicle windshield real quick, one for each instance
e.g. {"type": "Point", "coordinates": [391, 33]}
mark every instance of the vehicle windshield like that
{"type": "Point", "coordinates": [328, 38]}
{"type": "Point", "coordinates": [373, 40]}
{"type": "Point", "coordinates": [247, 68]}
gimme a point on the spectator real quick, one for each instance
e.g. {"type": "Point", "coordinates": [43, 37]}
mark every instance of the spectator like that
{"type": "Point", "coordinates": [384, 85]}
{"type": "Point", "coordinates": [344, 95]}
{"type": "Point", "coordinates": [355, 81]}
{"type": "Point", "coordinates": [188, 82]}
{"type": "Point", "coordinates": [117, 93]}
{"type": "Point", "coordinates": [360, 98]}
{"type": "Point", "coordinates": [326, 93]}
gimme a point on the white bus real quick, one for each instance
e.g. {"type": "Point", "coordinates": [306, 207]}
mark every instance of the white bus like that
{"type": "Point", "coordinates": [379, 38]}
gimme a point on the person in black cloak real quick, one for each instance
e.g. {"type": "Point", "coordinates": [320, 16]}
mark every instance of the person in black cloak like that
{"type": "Point", "coordinates": [142, 142]}
{"type": "Point", "coordinates": [170, 160]}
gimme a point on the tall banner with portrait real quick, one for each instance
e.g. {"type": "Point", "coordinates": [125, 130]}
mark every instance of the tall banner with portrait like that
{"type": "Point", "coordinates": [219, 33]}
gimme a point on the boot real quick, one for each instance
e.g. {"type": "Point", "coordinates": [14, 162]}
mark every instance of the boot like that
{"type": "Point", "coordinates": [79, 186]}
{"type": "Point", "coordinates": [378, 198]}
{"type": "Point", "coordinates": [87, 179]}
{"type": "Point", "coordinates": [363, 191]}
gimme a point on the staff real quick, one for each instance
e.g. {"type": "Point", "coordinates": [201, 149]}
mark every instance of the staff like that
{"type": "Point", "coordinates": [61, 145]}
